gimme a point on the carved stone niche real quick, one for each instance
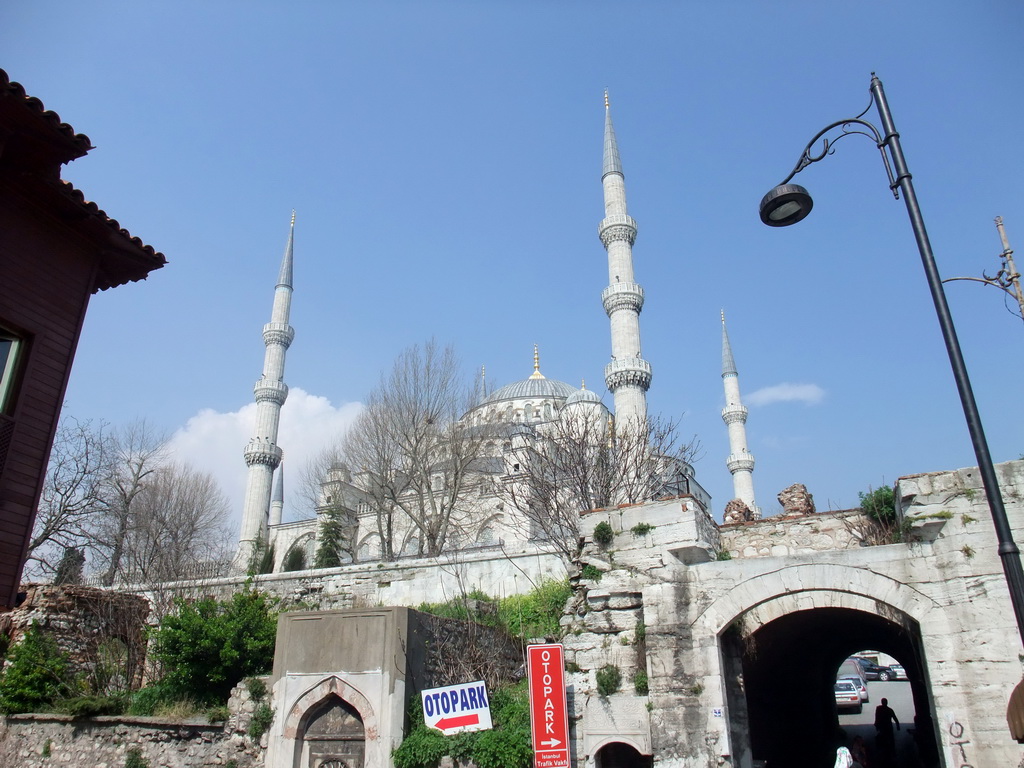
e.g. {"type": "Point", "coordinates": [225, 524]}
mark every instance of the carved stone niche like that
{"type": "Point", "coordinates": [334, 737]}
{"type": "Point", "coordinates": [736, 511]}
{"type": "Point", "coordinates": [796, 500]}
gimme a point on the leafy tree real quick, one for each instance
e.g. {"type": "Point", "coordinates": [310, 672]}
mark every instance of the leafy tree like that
{"type": "Point", "coordinates": [295, 560]}
{"type": "Point", "coordinates": [332, 534]}
{"type": "Point", "coordinates": [209, 645]}
{"type": "Point", "coordinates": [69, 569]}
{"type": "Point", "coordinates": [879, 504]}
{"type": "Point", "coordinates": [36, 675]}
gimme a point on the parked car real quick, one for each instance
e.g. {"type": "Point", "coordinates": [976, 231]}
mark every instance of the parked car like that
{"type": "Point", "coordinates": [847, 696]}
{"type": "Point", "coordinates": [873, 671]}
{"type": "Point", "coordinates": [898, 673]}
{"type": "Point", "coordinates": [860, 685]}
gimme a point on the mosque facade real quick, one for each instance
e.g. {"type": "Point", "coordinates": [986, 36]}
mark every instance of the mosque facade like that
{"type": "Point", "coordinates": [522, 410]}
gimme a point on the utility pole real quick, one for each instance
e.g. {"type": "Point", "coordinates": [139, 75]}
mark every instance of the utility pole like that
{"type": "Point", "coordinates": [1007, 279]}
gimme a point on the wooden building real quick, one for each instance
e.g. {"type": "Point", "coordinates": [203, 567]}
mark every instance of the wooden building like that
{"type": "Point", "coordinates": [56, 250]}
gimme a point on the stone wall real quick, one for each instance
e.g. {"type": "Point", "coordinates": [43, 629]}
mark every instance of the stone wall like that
{"type": "Point", "coordinates": [42, 741]}
{"type": "Point", "coordinates": [82, 620]}
{"type": "Point", "coordinates": [782, 536]}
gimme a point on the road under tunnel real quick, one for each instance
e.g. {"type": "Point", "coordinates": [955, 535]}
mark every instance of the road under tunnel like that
{"type": "Point", "coordinates": [782, 700]}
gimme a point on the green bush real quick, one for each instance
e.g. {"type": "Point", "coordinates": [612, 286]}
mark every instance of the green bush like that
{"type": "Point", "coordinates": [640, 683]}
{"type": "Point", "coordinates": [262, 716]}
{"type": "Point", "coordinates": [609, 679]}
{"type": "Point", "coordinates": [879, 505]}
{"type": "Point", "coordinates": [209, 645]}
{"type": "Point", "coordinates": [641, 529]}
{"type": "Point", "coordinates": [591, 572]}
{"type": "Point", "coordinates": [37, 674]}
{"type": "Point", "coordinates": [90, 706]}
{"type": "Point", "coordinates": [603, 534]}
{"type": "Point", "coordinates": [134, 759]}
{"type": "Point", "coordinates": [145, 701]}
{"type": "Point", "coordinates": [218, 714]}
{"type": "Point", "coordinates": [535, 614]}
{"type": "Point", "coordinates": [507, 745]}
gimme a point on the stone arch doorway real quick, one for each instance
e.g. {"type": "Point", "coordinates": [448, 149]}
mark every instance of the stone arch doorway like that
{"type": "Point", "coordinates": [617, 754]}
{"type": "Point", "coordinates": [333, 736]}
{"type": "Point", "coordinates": [780, 670]}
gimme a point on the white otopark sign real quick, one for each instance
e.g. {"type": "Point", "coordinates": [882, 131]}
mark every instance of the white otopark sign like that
{"type": "Point", "coordinates": [456, 708]}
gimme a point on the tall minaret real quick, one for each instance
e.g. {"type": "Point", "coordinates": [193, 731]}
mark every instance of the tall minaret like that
{"type": "Point", "coordinates": [740, 461]}
{"type": "Point", "coordinates": [262, 454]}
{"type": "Point", "coordinates": [628, 375]}
{"type": "Point", "coordinates": [277, 498]}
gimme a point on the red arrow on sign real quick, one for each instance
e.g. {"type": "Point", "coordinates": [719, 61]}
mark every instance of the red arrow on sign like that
{"type": "Point", "coordinates": [455, 722]}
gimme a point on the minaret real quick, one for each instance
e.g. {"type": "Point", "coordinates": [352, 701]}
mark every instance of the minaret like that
{"type": "Point", "coordinates": [740, 461]}
{"type": "Point", "coordinates": [262, 454]}
{"type": "Point", "coordinates": [277, 498]}
{"type": "Point", "coordinates": [628, 375]}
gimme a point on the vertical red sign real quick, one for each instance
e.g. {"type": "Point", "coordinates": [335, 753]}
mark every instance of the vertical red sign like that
{"type": "Point", "coordinates": [549, 717]}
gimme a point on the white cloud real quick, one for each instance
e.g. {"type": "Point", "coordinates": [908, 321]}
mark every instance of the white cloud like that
{"type": "Point", "coordinates": [213, 442]}
{"type": "Point", "coordinates": [808, 394]}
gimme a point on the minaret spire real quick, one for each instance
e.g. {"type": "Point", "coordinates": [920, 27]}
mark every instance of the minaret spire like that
{"type": "Point", "coordinates": [740, 461]}
{"type": "Point", "coordinates": [262, 454]}
{"type": "Point", "coordinates": [628, 375]}
{"type": "Point", "coordinates": [277, 498]}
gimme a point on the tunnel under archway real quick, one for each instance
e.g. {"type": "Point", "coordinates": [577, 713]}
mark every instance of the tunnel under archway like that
{"type": "Point", "coordinates": [785, 705]}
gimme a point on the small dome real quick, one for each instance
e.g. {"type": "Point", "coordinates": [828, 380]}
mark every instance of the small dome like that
{"type": "Point", "coordinates": [583, 396]}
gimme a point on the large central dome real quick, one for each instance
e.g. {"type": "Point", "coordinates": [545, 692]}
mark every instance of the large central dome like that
{"type": "Point", "coordinates": [540, 387]}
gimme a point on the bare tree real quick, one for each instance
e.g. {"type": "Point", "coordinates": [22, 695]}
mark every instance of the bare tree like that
{"type": "Point", "coordinates": [414, 459]}
{"type": "Point", "coordinates": [178, 521]}
{"type": "Point", "coordinates": [136, 452]}
{"type": "Point", "coordinates": [72, 492]}
{"type": "Point", "coordinates": [580, 462]}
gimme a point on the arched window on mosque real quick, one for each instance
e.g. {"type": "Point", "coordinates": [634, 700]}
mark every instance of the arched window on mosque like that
{"type": "Point", "coordinates": [528, 411]}
{"type": "Point", "coordinates": [547, 411]}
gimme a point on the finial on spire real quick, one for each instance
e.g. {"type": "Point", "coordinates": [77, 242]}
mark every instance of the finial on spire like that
{"type": "Point", "coordinates": [583, 383]}
{"type": "Point", "coordinates": [606, 105]}
{"type": "Point", "coordinates": [728, 364]}
{"type": "Point", "coordinates": [293, 217]}
{"type": "Point", "coordinates": [536, 363]}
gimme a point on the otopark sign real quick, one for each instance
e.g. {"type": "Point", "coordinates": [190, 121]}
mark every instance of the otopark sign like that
{"type": "Point", "coordinates": [457, 708]}
{"type": "Point", "coordinates": [549, 717]}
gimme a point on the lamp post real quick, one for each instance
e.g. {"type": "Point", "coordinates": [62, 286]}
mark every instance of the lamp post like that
{"type": "Point", "coordinates": [789, 203]}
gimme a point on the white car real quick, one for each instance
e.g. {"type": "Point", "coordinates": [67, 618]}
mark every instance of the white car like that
{"type": "Point", "coordinates": [898, 672]}
{"type": "Point", "coordinates": [860, 685]}
{"type": "Point", "coordinates": [847, 696]}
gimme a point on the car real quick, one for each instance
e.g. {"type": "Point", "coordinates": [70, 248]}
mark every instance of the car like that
{"type": "Point", "coordinates": [847, 696]}
{"type": "Point", "coordinates": [874, 671]}
{"type": "Point", "coordinates": [898, 673]}
{"type": "Point", "coordinates": [860, 685]}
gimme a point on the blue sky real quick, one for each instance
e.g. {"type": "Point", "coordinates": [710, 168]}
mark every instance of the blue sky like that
{"type": "Point", "coordinates": [444, 159]}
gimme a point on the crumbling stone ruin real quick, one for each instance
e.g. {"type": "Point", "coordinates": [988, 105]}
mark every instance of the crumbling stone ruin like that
{"type": "Point", "coordinates": [796, 500]}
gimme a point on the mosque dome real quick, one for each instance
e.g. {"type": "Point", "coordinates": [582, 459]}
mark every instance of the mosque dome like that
{"type": "Point", "coordinates": [532, 388]}
{"type": "Point", "coordinates": [583, 395]}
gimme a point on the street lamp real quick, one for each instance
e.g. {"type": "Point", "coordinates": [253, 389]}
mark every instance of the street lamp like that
{"type": "Point", "coordinates": [789, 203]}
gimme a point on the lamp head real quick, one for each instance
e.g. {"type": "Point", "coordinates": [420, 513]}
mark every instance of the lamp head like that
{"type": "Point", "coordinates": [786, 204]}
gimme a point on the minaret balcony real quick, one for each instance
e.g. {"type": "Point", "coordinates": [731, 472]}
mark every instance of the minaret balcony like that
{"type": "Point", "coordinates": [740, 462]}
{"type": "Point", "coordinates": [278, 333]}
{"type": "Point", "coordinates": [623, 296]}
{"type": "Point", "coordinates": [618, 226]}
{"type": "Point", "coordinates": [270, 390]}
{"type": "Point", "coordinates": [733, 413]}
{"type": "Point", "coordinates": [633, 371]}
{"type": "Point", "coordinates": [262, 451]}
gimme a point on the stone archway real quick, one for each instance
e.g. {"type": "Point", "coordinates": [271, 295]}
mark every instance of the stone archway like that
{"type": "Point", "coordinates": [334, 736]}
{"type": "Point", "coordinates": [783, 634]}
{"type": "Point", "coordinates": [618, 754]}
